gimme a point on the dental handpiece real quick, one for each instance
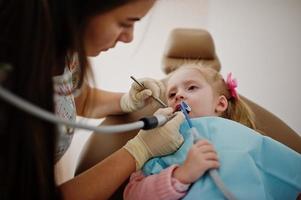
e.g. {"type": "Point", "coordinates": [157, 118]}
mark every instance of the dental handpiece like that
{"type": "Point", "coordinates": [185, 108]}
{"type": "Point", "coordinates": [145, 123]}
{"type": "Point", "coordinates": [155, 98]}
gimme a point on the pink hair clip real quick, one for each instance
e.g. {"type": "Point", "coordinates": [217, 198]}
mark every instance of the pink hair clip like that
{"type": "Point", "coordinates": [232, 84]}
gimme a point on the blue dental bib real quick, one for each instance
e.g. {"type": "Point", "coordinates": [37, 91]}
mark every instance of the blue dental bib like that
{"type": "Point", "coordinates": [252, 166]}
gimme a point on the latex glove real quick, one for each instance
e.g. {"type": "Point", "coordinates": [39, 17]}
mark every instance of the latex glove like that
{"type": "Point", "coordinates": [138, 97]}
{"type": "Point", "coordinates": [156, 142]}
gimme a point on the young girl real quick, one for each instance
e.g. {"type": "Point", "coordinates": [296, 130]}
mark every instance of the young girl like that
{"type": "Point", "coordinates": [208, 94]}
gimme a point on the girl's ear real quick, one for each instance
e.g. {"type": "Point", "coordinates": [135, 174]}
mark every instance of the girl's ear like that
{"type": "Point", "coordinates": [221, 104]}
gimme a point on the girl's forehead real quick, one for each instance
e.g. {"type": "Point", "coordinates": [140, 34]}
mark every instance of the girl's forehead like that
{"type": "Point", "coordinates": [188, 75]}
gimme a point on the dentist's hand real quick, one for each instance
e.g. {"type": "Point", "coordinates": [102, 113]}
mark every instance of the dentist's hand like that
{"type": "Point", "coordinates": [137, 97]}
{"type": "Point", "coordinates": [156, 142]}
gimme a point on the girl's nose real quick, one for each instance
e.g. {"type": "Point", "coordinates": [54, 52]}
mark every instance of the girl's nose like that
{"type": "Point", "coordinates": [180, 96]}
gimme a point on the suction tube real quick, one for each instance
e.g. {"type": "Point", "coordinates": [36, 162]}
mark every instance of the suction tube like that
{"type": "Point", "coordinates": [212, 172]}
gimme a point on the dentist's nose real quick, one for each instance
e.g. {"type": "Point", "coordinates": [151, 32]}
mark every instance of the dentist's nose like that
{"type": "Point", "coordinates": [126, 36]}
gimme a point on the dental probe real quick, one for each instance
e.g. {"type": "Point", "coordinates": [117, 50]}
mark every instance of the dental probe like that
{"type": "Point", "coordinates": [155, 98]}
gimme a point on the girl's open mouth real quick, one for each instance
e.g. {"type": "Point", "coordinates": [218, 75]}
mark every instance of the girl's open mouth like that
{"type": "Point", "coordinates": [184, 105]}
{"type": "Point", "coordinates": [177, 108]}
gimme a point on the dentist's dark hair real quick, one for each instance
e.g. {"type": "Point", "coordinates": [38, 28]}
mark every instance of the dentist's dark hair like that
{"type": "Point", "coordinates": [35, 38]}
{"type": "Point", "coordinates": [27, 143]}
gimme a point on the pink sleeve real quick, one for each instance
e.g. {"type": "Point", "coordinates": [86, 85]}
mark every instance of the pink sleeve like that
{"type": "Point", "coordinates": [158, 186]}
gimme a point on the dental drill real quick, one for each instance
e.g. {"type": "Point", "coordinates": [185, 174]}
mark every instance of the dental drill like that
{"type": "Point", "coordinates": [145, 123]}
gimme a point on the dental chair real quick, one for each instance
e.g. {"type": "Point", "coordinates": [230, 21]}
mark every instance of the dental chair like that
{"type": "Point", "coordinates": [183, 45]}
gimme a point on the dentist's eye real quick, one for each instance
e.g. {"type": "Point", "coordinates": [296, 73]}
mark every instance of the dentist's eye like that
{"type": "Point", "coordinates": [126, 25]}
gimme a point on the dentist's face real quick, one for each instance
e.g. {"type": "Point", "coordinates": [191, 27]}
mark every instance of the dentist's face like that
{"type": "Point", "coordinates": [105, 30]}
{"type": "Point", "coordinates": [190, 86]}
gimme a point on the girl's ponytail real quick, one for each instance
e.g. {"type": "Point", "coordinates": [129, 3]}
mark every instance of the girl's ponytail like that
{"type": "Point", "coordinates": [239, 111]}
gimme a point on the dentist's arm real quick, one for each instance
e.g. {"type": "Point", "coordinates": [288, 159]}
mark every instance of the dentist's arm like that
{"type": "Point", "coordinates": [102, 180]}
{"type": "Point", "coordinates": [98, 103]}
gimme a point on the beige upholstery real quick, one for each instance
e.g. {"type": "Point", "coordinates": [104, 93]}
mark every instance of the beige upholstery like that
{"type": "Point", "coordinates": [189, 44]}
{"type": "Point", "coordinates": [183, 45]}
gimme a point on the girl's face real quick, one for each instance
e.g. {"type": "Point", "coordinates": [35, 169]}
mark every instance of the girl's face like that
{"type": "Point", "coordinates": [190, 86]}
{"type": "Point", "coordinates": [105, 30]}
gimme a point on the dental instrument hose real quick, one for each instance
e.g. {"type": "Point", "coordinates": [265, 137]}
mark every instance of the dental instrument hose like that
{"type": "Point", "coordinates": [212, 172]}
{"type": "Point", "coordinates": [144, 123]}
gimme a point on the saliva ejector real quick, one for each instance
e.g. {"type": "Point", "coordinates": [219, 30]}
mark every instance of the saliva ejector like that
{"type": "Point", "coordinates": [185, 108]}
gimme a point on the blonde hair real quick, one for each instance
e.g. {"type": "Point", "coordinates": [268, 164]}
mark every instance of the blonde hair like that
{"type": "Point", "coordinates": [237, 109]}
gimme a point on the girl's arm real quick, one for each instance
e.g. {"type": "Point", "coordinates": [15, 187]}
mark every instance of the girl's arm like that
{"type": "Point", "coordinates": [158, 186]}
{"type": "Point", "coordinates": [172, 183]}
{"type": "Point", "coordinates": [200, 158]}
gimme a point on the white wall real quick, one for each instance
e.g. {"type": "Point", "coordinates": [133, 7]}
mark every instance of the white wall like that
{"type": "Point", "coordinates": [257, 40]}
{"type": "Point", "coordinates": [143, 56]}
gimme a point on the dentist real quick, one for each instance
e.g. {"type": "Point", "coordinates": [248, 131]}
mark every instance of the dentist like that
{"type": "Point", "coordinates": [46, 43]}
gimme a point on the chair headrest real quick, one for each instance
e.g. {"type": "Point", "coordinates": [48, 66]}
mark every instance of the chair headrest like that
{"type": "Point", "coordinates": [189, 45]}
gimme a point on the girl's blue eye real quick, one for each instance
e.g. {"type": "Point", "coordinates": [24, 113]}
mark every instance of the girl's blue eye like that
{"type": "Point", "coordinates": [192, 87]}
{"type": "Point", "coordinates": [171, 95]}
